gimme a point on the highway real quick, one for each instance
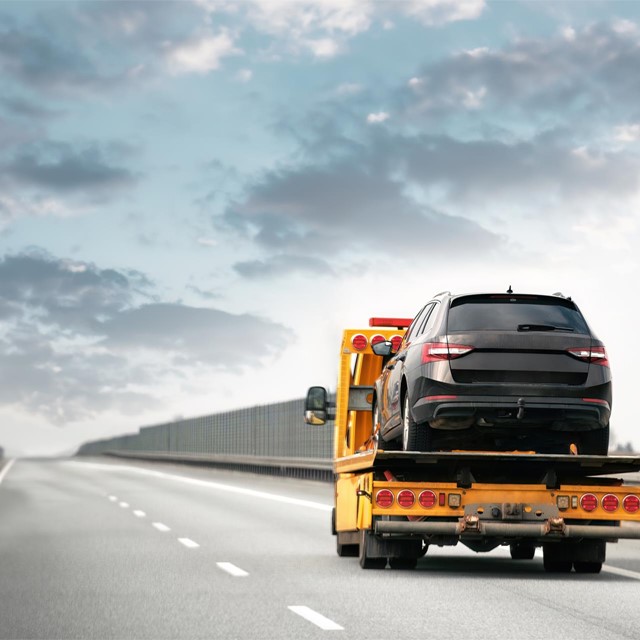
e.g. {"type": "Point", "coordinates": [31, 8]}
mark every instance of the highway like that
{"type": "Point", "coordinates": [121, 549]}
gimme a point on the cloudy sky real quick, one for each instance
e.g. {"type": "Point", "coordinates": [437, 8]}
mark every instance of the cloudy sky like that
{"type": "Point", "coordinates": [197, 196]}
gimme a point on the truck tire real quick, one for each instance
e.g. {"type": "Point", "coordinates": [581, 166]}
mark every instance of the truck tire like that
{"type": "Point", "coordinates": [415, 437]}
{"type": "Point", "coordinates": [556, 566]}
{"type": "Point", "coordinates": [522, 551]}
{"type": "Point", "coordinates": [403, 563]}
{"type": "Point", "coordinates": [366, 561]}
{"type": "Point", "coordinates": [587, 567]}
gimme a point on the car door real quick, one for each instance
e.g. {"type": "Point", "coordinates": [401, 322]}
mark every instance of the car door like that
{"type": "Point", "coordinates": [393, 373]}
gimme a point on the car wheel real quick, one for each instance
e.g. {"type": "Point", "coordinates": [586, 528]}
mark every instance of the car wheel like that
{"type": "Point", "coordinates": [595, 443]}
{"type": "Point", "coordinates": [415, 437]}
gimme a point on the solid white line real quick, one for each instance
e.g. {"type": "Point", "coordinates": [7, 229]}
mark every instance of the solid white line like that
{"type": "Point", "coordinates": [318, 619]}
{"type": "Point", "coordinates": [113, 498]}
{"type": "Point", "coordinates": [622, 572]}
{"type": "Point", "coordinates": [139, 514]}
{"type": "Point", "coordinates": [160, 527]}
{"type": "Point", "coordinates": [187, 542]}
{"type": "Point", "coordinates": [237, 572]}
{"type": "Point", "coordinates": [8, 466]}
{"type": "Point", "coordinates": [263, 495]}
{"type": "Point", "coordinates": [124, 505]}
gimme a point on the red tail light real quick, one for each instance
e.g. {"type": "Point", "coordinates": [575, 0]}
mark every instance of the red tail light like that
{"type": "Point", "coordinates": [594, 355]}
{"type": "Point", "coordinates": [406, 498]}
{"type": "Point", "coordinates": [359, 342]}
{"type": "Point", "coordinates": [377, 338]}
{"type": "Point", "coordinates": [384, 498]}
{"type": "Point", "coordinates": [396, 341]}
{"type": "Point", "coordinates": [427, 499]}
{"type": "Point", "coordinates": [589, 502]}
{"type": "Point", "coordinates": [434, 351]}
{"type": "Point", "coordinates": [631, 504]}
{"type": "Point", "coordinates": [610, 502]}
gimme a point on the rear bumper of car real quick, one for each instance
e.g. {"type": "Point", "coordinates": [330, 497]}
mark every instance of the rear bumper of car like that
{"type": "Point", "coordinates": [556, 412]}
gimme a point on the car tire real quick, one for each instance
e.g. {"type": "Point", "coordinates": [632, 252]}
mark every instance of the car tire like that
{"type": "Point", "coordinates": [595, 443]}
{"type": "Point", "coordinates": [415, 437]}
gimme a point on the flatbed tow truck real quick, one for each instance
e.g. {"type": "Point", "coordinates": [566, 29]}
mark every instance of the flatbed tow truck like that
{"type": "Point", "coordinates": [391, 505]}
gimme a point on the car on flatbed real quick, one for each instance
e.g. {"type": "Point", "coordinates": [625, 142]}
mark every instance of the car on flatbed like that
{"type": "Point", "coordinates": [498, 371]}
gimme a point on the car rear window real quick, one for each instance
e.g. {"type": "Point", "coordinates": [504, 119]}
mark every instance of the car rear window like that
{"type": "Point", "coordinates": [509, 313]}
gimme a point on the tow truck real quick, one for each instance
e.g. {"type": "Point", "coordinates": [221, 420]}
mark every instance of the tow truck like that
{"type": "Point", "coordinates": [390, 506]}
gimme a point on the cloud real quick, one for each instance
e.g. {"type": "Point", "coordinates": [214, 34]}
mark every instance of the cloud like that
{"type": "Point", "coordinates": [77, 340]}
{"type": "Point", "coordinates": [201, 54]}
{"type": "Point", "coordinates": [559, 79]}
{"type": "Point", "coordinates": [345, 206]}
{"type": "Point", "coordinates": [376, 118]}
{"type": "Point", "coordinates": [283, 265]}
{"type": "Point", "coordinates": [438, 12]}
{"type": "Point", "coordinates": [63, 168]}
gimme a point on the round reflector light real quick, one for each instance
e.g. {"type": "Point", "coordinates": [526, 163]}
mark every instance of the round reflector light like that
{"type": "Point", "coordinates": [377, 338]}
{"type": "Point", "coordinates": [396, 341]}
{"type": "Point", "coordinates": [359, 342]}
{"type": "Point", "coordinates": [610, 502]}
{"type": "Point", "coordinates": [406, 498]}
{"type": "Point", "coordinates": [384, 498]}
{"type": "Point", "coordinates": [631, 503]}
{"type": "Point", "coordinates": [427, 499]}
{"type": "Point", "coordinates": [589, 502]}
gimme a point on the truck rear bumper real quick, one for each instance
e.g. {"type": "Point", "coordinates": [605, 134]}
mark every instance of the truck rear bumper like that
{"type": "Point", "coordinates": [473, 527]}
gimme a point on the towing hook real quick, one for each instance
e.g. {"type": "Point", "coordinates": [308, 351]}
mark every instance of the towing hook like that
{"type": "Point", "coordinates": [520, 409]}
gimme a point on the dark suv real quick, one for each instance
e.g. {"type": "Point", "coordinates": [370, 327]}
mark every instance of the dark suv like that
{"type": "Point", "coordinates": [496, 371]}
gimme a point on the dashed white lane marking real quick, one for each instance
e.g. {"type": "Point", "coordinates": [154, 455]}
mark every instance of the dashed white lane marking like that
{"type": "Point", "coordinates": [139, 514]}
{"type": "Point", "coordinates": [262, 495]}
{"type": "Point", "coordinates": [316, 618]}
{"type": "Point", "coordinates": [160, 527]}
{"type": "Point", "coordinates": [237, 572]}
{"type": "Point", "coordinates": [124, 505]}
{"type": "Point", "coordinates": [8, 466]}
{"type": "Point", "coordinates": [622, 572]}
{"type": "Point", "coordinates": [187, 542]}
{"type": "Point", "coordinates": [113, 498]}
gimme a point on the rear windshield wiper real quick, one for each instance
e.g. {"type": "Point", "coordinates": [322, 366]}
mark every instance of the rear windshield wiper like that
{"type": "Point", "coordinates": [542, 327]}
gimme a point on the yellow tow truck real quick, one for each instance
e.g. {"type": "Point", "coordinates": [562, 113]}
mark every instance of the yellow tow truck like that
{"type": "Point", "coordinates": [391, 505]}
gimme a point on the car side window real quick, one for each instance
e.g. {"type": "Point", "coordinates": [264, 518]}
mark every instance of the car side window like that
{"type": "Point", "coordinates": [415, 324]}
{"type": "Point", "coordinates": [425, 319]}
{"type": "Point", "coordinates": [430, 321]}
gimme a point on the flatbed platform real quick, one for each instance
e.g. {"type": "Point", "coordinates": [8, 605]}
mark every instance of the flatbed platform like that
{"type": "Point", "coordinates": [468, 467]}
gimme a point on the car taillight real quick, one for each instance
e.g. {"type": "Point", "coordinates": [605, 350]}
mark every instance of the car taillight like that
{"type": "Point", "coordinates": [384, 498]}
{"type": "Point", "coordinates": [427, 499]}
{"type": "Point", "coordinates": [631, 503]}
{"type": "Point", "coordinates": [377, 338]}
{"type": "Point", "coordinates": [610, 502]}
{"type": "Point", "coordinates": [396, 341]}
{"type": "Point", "coordinates": [406, 498]}
{"type": "Point", "coordinates": [434, 351]}
{"type": "Point", "coordinates": [359, 342]}
{"type": "Point", "coordinates": [589, 502]}
{"type": "Point", "coordinates": [594, 355]}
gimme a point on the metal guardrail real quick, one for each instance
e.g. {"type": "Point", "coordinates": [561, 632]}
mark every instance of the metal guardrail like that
{"type": "Point", "coordinates": [265, 439]}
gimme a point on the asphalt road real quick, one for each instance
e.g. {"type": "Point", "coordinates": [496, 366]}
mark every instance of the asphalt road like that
{"type": "Point", "coordinates": [133, 550]}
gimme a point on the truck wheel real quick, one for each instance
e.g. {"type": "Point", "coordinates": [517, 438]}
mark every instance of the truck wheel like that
{"type": "Point", "coordinates": [366, 561]}
{"type": "Point", "coordinates": [556, 566]}
{"type": "Point", "coordinates": [415, 437]}
{"type": "Point", "coordinates": [403, 563]}
{"type": "Point", "coordinates": [347, 550]}
{"type": "Point", "coordinates": [587, 567]}
{"type": "Point", "coordinates": [522, 551]}
{"type": "Point", "coordinates": [595, 443]}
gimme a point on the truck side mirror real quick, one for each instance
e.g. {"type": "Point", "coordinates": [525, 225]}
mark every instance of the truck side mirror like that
{"type": "Point", "coordinates": [383, 348]}
{"type": "Point", "coordinates": [315, 406]}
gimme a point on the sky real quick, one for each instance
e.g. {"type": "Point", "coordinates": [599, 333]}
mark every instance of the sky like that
{"type": "Point", "coordinates": [196, 197]}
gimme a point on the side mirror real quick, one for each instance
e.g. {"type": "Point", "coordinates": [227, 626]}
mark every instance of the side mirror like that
{"type": "Point", "coordinates": [383, 348]}
{"type": "Point", "coordinates": [315, 406]}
